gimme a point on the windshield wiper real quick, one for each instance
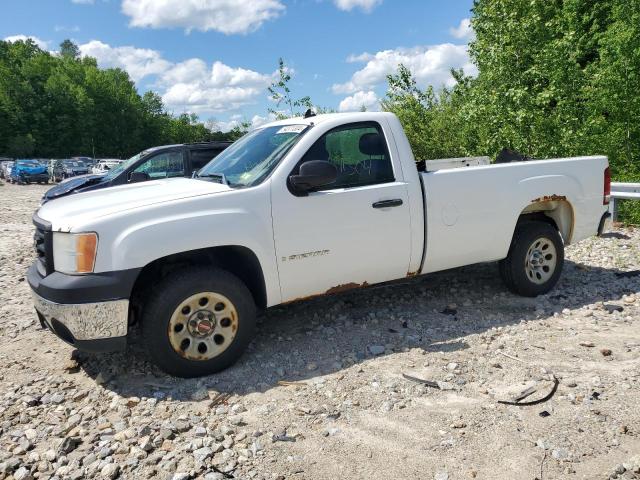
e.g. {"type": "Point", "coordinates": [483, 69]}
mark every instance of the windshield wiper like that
{"type": "Point", "coordinates": [218, 176]}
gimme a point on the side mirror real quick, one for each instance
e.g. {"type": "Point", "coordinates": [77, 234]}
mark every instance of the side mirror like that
{"type": "Point", "coordinates": [136, 177]}
{"type": "Point", "coordinates": [314, 174]}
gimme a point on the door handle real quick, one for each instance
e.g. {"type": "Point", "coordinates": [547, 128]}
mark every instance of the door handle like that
{"type": "Point", "coordinates": [396, 202]}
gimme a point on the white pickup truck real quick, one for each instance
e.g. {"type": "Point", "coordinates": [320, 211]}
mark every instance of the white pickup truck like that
{"type": "Point", "coordinates": [295, 209]}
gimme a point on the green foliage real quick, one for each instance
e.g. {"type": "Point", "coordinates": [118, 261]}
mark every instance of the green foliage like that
{"type": "Point", "coordinates": [280, 94]}
{"type": "Point", "coordinates": [436, 122]}
{"type": "Point", "coordinates": [556, 78]}
{"type": "Point", "coordinates": [69, 49]}
{"type": "Point", "coordinates": [62, 106]}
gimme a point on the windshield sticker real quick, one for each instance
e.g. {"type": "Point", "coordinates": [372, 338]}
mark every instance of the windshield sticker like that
{"type": "Point", "coordinates": [291, 129]}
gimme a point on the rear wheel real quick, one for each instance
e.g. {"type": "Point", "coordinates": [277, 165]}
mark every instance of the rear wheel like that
{"type": "Point", "coordinates": [198, 322]}
{"type": "Point", "coordinates": [535, 259]}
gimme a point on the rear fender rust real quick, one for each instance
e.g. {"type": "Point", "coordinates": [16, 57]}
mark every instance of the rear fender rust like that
{"type": "Point", "coordinates": [558, 208]}
{"type": "Point", "coordinates": [550, 198]}
{"type": "Point", "coordinates": [413, 274]}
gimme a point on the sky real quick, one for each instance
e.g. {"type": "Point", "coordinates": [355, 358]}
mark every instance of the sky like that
{"type": "Point", "coordinates": [216, 58]}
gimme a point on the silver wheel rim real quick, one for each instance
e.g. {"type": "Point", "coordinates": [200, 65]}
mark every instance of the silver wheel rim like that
{"type": "Point", "coordinates": [203, 326]}
{"type": "Point", "coordinates": [541, 260]}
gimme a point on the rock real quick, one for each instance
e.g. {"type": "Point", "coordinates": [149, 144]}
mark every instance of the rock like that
{"type": "Point", "coordinates": [201, 454]}
{"type": "Point", "coordinates": [110, 470]}
{"type": "Point", "coordinates": [606, 352]}
{"type": "Point", "coordinates": [214, 476]}
{"type": "Point", "coordinates": [560, 454]}
{"type": "Point", "coordinates": [68, 445]}
{"type": "Point", "coordinates": [22, 474]}
{"type": "Point", "coordinates": [181, 476]}
{"type": "Point", "coordinates": [376, 349]}
{"type": "Point", "coordinates": [441, 476]}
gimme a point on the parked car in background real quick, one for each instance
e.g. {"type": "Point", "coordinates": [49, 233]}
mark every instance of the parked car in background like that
{"type": "Point", "coordinates": [68, 168]}
{"type": "Point", "coordinates": [157, 162]}
{"type": "Point", "coordinates": [103, 165]}
{"type": "Point", "coordinates": [5, 167]}
{"type": "Point", "coordinates": [88, 161]}
{"type": "Point", "coordinates": [28, 171]}
{"type": "Point", "coordinates": [295, 209]}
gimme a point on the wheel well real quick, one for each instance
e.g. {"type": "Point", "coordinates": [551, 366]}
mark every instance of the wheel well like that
{"type": "Point", "coordinates": [238, 260]}
{"type": "Point", "coordinates": [558, 213]}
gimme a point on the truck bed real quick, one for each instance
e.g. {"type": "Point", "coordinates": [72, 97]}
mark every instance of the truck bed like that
{"type": "Point", "coordinates": [461, 203]}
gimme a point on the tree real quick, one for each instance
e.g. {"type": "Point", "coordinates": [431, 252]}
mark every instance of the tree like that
{"type": "Point", "coordinates": [62, 105]}
{"type": "Point", "coordinates": [69, 49]}
{"type": "Point", "coordinates": [280, 94]}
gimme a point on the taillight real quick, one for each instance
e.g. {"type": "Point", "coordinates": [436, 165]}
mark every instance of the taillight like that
{"type": "Point", "coordinates": [607, 187]}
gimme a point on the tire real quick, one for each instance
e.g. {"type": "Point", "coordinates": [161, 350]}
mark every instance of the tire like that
{"type": "Point", "coordinates": [176, 301]}
{"type": "Point", "coordinates": [535, 260]}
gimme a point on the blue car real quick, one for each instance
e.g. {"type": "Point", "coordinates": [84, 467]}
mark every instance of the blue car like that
{"type": "Point", "coordinates": [28, 171]}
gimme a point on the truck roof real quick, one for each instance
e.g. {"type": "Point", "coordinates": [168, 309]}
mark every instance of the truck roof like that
{"type": "Point", "coordinates": [345, 117]}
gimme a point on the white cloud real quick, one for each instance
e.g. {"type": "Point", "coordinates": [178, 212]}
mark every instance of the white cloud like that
{"type": "Point", "coordinates": [225, 16]}
{"type": "Point", "coordinates": [138, 62]}
{"type": "Point", "coordinates": [355, 102]}
{"type": "Point", "coordinates": [464, 31]}
{"type": "Point", "coordinates": [348, 5]}
{"type": "Point", "coordinates": [64, 28]}
{"type": "Point", "coordinates": [83, 2]}
{"type": "Point", "coordinates": [237, 120]}
{"type": "Point", "coordinates": [430, 66]}
{"type": "Point", "coordinates": [39, 42]}
{"type": "Point", "coordinates": [191, 86]}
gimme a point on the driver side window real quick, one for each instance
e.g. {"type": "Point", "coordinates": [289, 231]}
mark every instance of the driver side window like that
{"type": "Point", "coordinates": [163, 165]}
{"type": "Point", "coordinates": [358, 151]}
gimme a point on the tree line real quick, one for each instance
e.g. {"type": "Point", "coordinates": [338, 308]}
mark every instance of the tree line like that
{"type": "Point", "coordinates": [555, 78]}
{"type": "Point", "coordinates": [56, 106]}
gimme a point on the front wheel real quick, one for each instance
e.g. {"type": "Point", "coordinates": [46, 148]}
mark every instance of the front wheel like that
{"type": "Point", "coordinates": [535, 259]}
{"type": "Point", "coordinates": [198, 321]}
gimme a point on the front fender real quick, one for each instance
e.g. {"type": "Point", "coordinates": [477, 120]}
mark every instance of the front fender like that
{"type": "Point", "coordinates": [136, 238]}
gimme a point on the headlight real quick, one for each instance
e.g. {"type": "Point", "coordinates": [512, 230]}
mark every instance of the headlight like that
{"type": "Point", "coordinates": [74, 252]}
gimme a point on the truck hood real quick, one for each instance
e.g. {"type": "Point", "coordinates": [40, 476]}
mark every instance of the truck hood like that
{"type": "Point", "coordinates": [68, 212]}
{"type": "Point", "coordinates": [70, 185]}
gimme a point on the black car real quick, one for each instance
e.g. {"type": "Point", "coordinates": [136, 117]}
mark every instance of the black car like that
{"type": "Point", "coordinates": [68, 168]}
{"type": "Point", "coordinates": [151, 164]}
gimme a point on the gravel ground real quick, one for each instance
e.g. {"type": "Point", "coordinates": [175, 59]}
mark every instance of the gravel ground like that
{"type": "Point", "coordinates": [320, 393]}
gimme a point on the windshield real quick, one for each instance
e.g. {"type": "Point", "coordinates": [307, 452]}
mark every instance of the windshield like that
{"type": "Point", "coordinates": [251, 159]}
{"type": "Point", "coordinates": [122, 166]}
{"type": "Point", "coordinates": [28, 163]}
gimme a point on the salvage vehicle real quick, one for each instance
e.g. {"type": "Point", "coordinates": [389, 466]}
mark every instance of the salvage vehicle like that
{"type": "Point", "coordinates": [103, 165]}
{"type": "Point", "coordinates": [158, 162]}
{"type": "Point", "coordinates": [28, 171]}
{"type": "Point", "coordinates": [5, 167]}
{"type": "Point", "coordinates": [295, 209]}
{"type": "Point", "coordinates": [68, 168]}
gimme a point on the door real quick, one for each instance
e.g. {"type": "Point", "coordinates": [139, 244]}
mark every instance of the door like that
{"type": "Point", "coordinates": [352, 233]}
{"type": "Point", "coordinates": [163, 165]}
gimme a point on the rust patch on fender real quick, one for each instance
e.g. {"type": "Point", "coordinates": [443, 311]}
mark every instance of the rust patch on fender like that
{"type": "Point", "coordinates": [346, 287]}
{"type": "Point", "coordinates": [550, 198]}
{"type": "Point", "coordinates": [413, 274]}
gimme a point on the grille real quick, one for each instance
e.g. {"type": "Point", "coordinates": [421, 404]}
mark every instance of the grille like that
{"type": "Point", "coordinates": [42, 241]}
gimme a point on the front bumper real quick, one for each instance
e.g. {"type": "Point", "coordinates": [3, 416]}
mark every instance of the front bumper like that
{"type": "Point", "coordinates": [90, 312]}
{"type": "Point", "coordinates": [95, 327]}
{"type": "Point", "coordinates": [36, 177]}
